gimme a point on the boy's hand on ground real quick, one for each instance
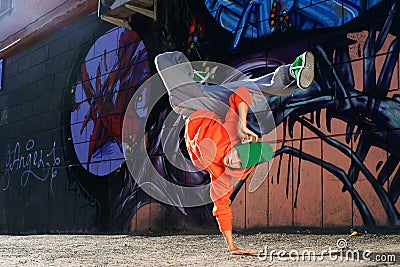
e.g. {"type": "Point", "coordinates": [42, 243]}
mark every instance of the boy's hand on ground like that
{"type": "Point", "coordinates": [243, 251]}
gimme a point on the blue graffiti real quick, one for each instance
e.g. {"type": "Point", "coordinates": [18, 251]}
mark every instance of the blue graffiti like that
{"type": "Point", "coordinates": [259, 18]}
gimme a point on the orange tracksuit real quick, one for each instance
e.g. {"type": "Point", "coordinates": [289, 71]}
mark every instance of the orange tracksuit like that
{"type": "Point", "coordinates": [208, 138]}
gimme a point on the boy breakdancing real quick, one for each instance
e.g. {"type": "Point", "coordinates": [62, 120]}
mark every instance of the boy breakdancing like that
{"type": "Point", "coordinates": [216, 135]}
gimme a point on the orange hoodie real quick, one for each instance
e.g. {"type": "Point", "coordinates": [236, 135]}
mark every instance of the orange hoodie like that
{"type": "Point", "coordinates": [208, 138]}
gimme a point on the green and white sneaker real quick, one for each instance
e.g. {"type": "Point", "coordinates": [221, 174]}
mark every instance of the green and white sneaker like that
{"type": "Point", "coordinates": [200, 76]}
{"type": "Point", "coordinates": [204, 76]}
{"type": "Point", "coordinates": [302, 69]}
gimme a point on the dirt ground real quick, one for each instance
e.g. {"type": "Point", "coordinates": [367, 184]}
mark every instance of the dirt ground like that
{"type": "Point", "coordinates": [200, 250]}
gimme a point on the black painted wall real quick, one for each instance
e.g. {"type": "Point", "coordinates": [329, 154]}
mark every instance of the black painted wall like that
{"type": "Point", "coordinates": [36, 193]}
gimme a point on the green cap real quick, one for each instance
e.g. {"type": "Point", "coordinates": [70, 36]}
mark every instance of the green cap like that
{"type": "Point", "coordinates": [253, 153]}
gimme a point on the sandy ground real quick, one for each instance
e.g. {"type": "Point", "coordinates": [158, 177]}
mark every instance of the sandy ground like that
{"type": "Point", "coordinates": [199, 250]}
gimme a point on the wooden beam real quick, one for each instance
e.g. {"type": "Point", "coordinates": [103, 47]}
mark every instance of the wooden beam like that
{"type": "Point", "coordinates": [116, 21]}
{"type": "Point", "coordinates": [147, 12]}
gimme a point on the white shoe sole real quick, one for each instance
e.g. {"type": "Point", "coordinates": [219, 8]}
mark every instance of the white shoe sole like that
{"type": "Point", "coordinates": [306, 74]}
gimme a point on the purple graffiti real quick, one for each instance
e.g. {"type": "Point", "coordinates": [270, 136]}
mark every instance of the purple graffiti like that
{"type": "Point", "coordinates": [114, 67]}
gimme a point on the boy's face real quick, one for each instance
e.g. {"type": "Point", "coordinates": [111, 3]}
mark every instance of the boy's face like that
{"type": "Point", "coordinates": [232, 159]}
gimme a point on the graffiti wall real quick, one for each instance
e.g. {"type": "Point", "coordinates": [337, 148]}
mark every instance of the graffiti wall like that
{"type": "Point", "coordinates": [90, 143]}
